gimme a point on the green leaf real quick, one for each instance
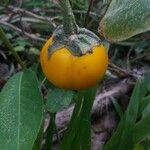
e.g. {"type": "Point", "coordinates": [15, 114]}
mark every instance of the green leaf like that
{"type": "Point", "coordinates": [58, 99]}
{"type": "Point", "coordinates": [85, 121]}
{"type": "Point", "coordinates": [125, 18]}
{"type": "Point", "coordinates": [142, 130]}
{"type": "Point", "coordinates": [131, 116]}
{"type": "Point", "coordinates": [38, 141]}
{"type": "Point", "coordinates": [19, 48]}
{"type": "Point", "coordinates": [147, 107]}
{"type": "Point", "coordinates": [80, 4]}
{"type": "Point", "coordinates": [114, 141]}
{"type": "Point", "coordinates": [117, 108]}
{"type": "Point", "coordinates": [138, 147]}
{"type": "Point", "coordinates": [50, 132]}
{"type": "Point", "coordinates": [21, 109]}
{"type": "Point", "coordinates": [34, 51]}
{"type": "Point", "coordinates": [4, 2]}
{"type": "Point", "coordinates": [123, 137]}
{"type": "Point", "coordinates": [143, 105]}
{"type": "Point", "coordinates": [69, 136]}
{"type": "Point", "coordinates": [147, 81]}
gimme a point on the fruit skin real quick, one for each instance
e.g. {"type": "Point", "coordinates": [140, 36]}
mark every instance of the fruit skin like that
{"type": "Point", "coordinates": [67, 71]}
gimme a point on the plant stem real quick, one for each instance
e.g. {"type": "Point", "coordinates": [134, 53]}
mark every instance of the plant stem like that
{"type": "Point", "coordinates": [69, 23]}
{"type": "Point", "coordinates": [50, 132]}
{"type": "Point", "coordinates": [10, 47]}
{"type": "Point", "coordinates": [78, 133]}
{"type": "Point", "coordinates": [85, 124]}
{"type": "Point", "coordinates": [70, 134]}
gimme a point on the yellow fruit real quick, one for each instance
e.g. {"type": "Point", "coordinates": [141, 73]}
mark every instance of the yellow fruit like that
{"type": "Point", "coordinates": [67, 71]}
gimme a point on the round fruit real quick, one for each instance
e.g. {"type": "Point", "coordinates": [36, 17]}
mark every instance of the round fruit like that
{"type": "Point", "coordinates": [67, 71]}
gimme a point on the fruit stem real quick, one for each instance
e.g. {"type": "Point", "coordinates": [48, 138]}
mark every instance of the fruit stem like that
{"type": "Point", "coordinates": [69, 23]}
{"type": "Point", "coordinates": [85, 122]}
{"type": "Point", "coordinates": [10, 47]}
{"type": "Point", "coordinates": [78, 134]}
{"type": "Point", "coordinates": [50, 132]}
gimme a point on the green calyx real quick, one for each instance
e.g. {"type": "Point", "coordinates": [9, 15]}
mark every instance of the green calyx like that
{"type": "Point", "coordinates": [78, 43]}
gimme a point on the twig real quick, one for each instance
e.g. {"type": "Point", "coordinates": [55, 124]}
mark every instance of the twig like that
{"type": "Point", "coordinates": [26, 19]}
{"type": "Point", "coordinates": [42, 83]}
{"type": "Point", "coordinates": [23, 11]}
{"type": "Point", "coordinates": [139, 57]}
{"type": "Point", "coordinates": [128, 58]}
{"type": "Point", "coordinates": [31, 36]}
{"type": "Point", "coordinates": [119, 71]}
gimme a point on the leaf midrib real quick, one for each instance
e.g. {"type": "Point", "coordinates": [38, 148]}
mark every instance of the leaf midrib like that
{"type": "Point", "coordinates": [19, 93]}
